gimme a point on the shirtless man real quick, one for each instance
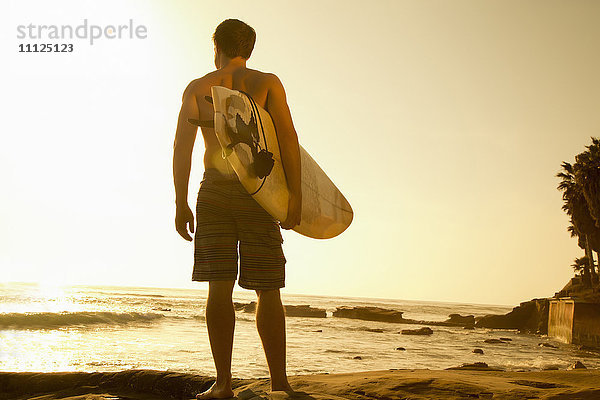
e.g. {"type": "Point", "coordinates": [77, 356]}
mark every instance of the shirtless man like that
{"type": "Point", "coordinates": [226, 214]}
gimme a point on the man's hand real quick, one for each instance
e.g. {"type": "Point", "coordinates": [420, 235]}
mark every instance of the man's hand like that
{"type": "Point", "coordinates": [183, 217]}
{"type": "Point", "coordinates": [294, 212]}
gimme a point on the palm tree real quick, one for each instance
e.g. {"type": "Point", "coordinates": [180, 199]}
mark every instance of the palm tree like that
{"type": "Point", "coordinates": [587, 176]}
{"type": "Point", "coordinates": [582, 264]}
{"type": "Point", "coordinates": [582, 223]}
{"type": "Point", "coordinates": [579, 264]}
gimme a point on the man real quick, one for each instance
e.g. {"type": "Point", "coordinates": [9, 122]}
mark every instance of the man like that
{"type": "Point", "coordinates": [226, 214]}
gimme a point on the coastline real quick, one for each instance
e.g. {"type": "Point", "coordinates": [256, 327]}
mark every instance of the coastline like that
{"type": "Point", "coordinates": [383, 384]}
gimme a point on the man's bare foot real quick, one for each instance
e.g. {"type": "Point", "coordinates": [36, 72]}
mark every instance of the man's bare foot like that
{"type": "Point", "coordinates": [285, 387]}
{"type": "Point", "coordinates": [216, 392]}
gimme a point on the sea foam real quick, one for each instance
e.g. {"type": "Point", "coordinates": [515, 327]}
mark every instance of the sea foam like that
{"type": "Point", "coordinates": [50, 320]}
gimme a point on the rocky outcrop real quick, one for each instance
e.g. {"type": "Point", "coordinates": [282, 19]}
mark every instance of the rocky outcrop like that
{"type": "Point", "coordinates": [369, 314]}
{"type": "Point", "coordinates": [461, 320]}
{"type": "Point", "coordinates": [383, 385]}
{"type": "Point", "coordinates": [530, 316]}
{"type": "Point", "coordinates": [577, 365]}
{"type": "Point", "coordinates": [290, 310]}
{"type": "Point", "coordinates": [161, 384]}
{"type": "Point", "coordinates": [245, 307]}
{"type": "Point", "coordinates": [477, 366]}
{"type": "Point", "coordinates": [388, 315]}
{"type": "Point", "coordinates": [576, 289]}
{"type": "Point", "coordinates": [421, 331]}
{"type": "Point", "coordinates": [305, 311]}
{"type": "Point", "coordinates": [363, 313]}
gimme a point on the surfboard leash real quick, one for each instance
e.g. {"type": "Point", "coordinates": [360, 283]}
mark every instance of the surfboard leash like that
{"type": "Point", "coordinates": [264, 158]}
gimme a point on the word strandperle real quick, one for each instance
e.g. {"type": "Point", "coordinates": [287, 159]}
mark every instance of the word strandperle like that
{"type": "Point", "coordinates": [83, 31]}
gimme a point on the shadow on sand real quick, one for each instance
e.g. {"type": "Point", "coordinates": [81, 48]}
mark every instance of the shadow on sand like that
{"type": "Point", "coordinates": [249, 394]}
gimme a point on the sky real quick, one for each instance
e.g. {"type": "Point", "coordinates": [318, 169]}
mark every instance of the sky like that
{"type": "Point", "coordinates": [444, 123]}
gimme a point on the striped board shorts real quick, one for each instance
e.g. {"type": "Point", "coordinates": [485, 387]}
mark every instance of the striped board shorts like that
{"type": "Point", "coordinates": [225, 215]}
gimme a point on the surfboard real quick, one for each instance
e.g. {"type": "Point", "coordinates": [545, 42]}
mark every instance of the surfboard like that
{"type": "Point", "coordinates": [240, 124]}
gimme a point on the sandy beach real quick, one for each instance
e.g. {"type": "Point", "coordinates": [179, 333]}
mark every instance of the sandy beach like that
{"type": "Point", "coordinates": [388, 384]}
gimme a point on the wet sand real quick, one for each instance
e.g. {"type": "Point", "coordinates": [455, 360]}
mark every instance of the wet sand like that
{"type": "Point", "coordinates": [385, 385]}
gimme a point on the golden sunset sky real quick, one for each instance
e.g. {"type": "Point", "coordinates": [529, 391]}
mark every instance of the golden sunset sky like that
{"type": "Point", "coordinates": [443, 122]}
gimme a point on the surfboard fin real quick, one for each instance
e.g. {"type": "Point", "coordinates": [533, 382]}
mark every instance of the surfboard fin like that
{"type": "Point", "coordinates": [209, 99]}
{"type": "Point", "coordinates": [203, 124]}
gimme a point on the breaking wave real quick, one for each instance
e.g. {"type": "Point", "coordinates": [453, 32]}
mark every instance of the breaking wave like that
{"type": "Point", "coordinates": [49, 320]}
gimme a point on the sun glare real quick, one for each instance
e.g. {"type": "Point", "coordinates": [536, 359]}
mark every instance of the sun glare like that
{"type": "Point", "coordinates": [53, 297]}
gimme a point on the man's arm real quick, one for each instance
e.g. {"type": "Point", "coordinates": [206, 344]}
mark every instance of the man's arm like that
{"type": "Point", "coordinates": [289, 149]}
{"type": "Point", "coordinates": [182, 161]}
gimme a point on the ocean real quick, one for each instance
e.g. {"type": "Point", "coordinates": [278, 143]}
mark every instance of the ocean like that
{"type": "Point", "coordinates": [87, 328]}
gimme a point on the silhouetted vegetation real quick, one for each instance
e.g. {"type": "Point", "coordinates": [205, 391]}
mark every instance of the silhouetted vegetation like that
{"type": "Point", "coordinates": [580, 184]}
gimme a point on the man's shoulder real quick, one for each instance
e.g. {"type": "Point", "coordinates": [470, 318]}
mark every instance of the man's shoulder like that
{"type": "Point", "coordinates": [201, 82]}
{"type": "Point", "coordinates": [200, 86]}
{"type": "Point", "coordinates": [268, 76]}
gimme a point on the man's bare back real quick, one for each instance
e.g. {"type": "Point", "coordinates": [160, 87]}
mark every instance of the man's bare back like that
{"type": "Point", "coordinates": [268, 92]}
{"type": "Point", "coordinates": [256, 83]}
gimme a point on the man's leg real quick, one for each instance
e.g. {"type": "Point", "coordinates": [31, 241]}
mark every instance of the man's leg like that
{"type": "Point", "coordinates": [270, 321]}
{"type": "Point", "coordinates": [220, 320]}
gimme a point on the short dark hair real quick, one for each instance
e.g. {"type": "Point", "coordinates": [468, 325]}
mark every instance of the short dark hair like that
{"type": "Point", "coordinates": [234, 38]}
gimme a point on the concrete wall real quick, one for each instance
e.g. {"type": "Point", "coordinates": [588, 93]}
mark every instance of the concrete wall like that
{"type": "Point", "coordinates": [586, 324]}
{"type": "Point", "coordinates": [573, 322]}
{"type": "Point", "coordinates": [560, 320]}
